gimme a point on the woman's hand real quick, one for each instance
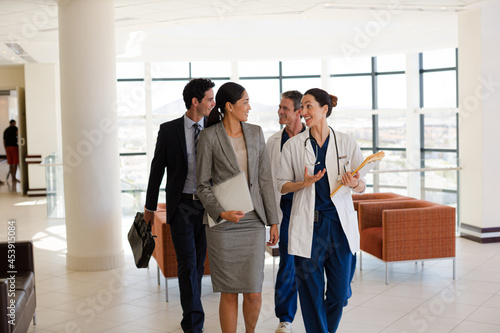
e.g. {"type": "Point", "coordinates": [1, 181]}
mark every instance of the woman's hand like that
{"type": "Point", "coordinates": [349, 180]}
{"type": "Point", "coordinates": [273, 235]}
{"type": "Point", "coordinates": [232, 215]}
{"type": "Point", "coordinates": [309, 180]}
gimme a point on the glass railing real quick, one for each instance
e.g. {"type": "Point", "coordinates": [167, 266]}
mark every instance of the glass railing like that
{"type": "Point", "coordinates": [133, 196]}
{"type": "Point", "coordinates": [55, 186]}
{"type": "Point", "coordinates": [435, 180]}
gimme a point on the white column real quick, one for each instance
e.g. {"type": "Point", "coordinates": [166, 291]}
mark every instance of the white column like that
{"type": "Point", "coordinates": [412, 124]}
{"type": "Point", "coordinates": [325, 74]}
{"type": "Point", "coordinates": [89, 131]}
{"type": "Point", "coordinates": [479, 117]}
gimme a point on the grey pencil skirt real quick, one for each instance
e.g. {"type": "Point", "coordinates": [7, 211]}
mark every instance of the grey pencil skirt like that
{"type": "Point", "coordinates": [236, 252]}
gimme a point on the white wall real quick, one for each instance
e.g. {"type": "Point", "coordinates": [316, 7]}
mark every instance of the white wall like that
{"type": "Point", "coordinates": [490, 73]}
{"type": "Point", "coordinates": [42, 109]}
{"type": "Point", "coordinates": [479, 91]}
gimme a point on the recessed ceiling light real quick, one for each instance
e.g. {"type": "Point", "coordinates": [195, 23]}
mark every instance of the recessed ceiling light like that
{"type": "Point", "coordinates": [4, 51]}
{"type": "Point", "coordinates": [12, 58]}
{"type": "Point", "coordinates": [443, 8]}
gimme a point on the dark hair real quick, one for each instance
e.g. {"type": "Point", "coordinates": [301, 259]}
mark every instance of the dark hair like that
{"type": "Point", "coordinates": [12, 121]}
{"type": "Point", "coordinates": [295, 96]}
{"type": "Point", "coordinates": [229, 92]}
{"type": "Point", "coordinates": [323, 98]}
{"type": "Point", "coordinates": [196, 88]}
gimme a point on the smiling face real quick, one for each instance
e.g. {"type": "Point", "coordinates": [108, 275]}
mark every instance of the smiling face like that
{"type": "Point", "coordinates": [313, 113]}
{"type": "Point", "coordinates": [206, 105]}
{"type": "Point", "coordinates": [240, 109]}
{"type": "Point", "coordinates": [286, 113]}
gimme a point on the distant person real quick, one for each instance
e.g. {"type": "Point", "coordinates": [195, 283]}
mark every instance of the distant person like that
{"type": "Point", "coordinates": [175, 154]}
{"type": "Point", "coordinates": [11, 149]}
{"type": "Point", "coordinates": [285, 292]}
{"type": "Point", "coordinates": [236, 244]}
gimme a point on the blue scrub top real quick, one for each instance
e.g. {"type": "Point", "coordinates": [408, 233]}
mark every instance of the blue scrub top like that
{"type": "Point", "coordinates": [323, 203]}
{"type": "Point", "coordinates": [286, 200]}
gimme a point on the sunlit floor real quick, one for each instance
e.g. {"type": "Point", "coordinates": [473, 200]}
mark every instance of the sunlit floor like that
{"type": "Point", "coordinates": [418, 299]}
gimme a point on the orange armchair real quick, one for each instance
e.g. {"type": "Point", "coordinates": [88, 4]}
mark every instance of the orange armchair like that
{"type": "Point", "coordinates": [407, 230]}
{"type": "Point", "coordinates": [164, 252]}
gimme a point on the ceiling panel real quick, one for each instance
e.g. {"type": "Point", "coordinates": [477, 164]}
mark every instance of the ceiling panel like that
{"type": "Point", "coordinates": [34, 22]}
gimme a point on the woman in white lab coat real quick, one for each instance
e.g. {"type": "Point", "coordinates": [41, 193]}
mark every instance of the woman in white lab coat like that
{"type": "Point", "coordinates": [323, 232]}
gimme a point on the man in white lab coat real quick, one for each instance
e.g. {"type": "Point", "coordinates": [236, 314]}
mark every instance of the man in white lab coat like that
{"type": "Point", "coordinates": [285, 296]}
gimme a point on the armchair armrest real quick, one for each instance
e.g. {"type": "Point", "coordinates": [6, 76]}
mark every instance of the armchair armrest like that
{"type": "Point", "coordinates": [4, 325]}
{"type": "Point", "coordinates": [23, 256]}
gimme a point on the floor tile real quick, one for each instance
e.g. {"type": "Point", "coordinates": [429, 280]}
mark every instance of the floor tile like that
{"type": "Point", "coordinates": [127, 299]}
{"type": "Point", "coordinates": [475, 327]}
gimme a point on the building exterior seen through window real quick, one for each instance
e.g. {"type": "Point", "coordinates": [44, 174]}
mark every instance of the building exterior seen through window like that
{"type": "Point", "coordinates": [372, 107]}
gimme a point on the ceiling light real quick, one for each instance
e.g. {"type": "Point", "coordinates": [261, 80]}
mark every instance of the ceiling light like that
{"type": "Point", "coordinates": [443, 8]}
{"type": "Point", "coordinates": [16, 48]}
{"type": "Point", "coordinates": [12, 58]}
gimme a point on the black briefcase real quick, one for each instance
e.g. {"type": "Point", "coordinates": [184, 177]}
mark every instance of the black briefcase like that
{"type": "Point", "coordinates": [141, 241]}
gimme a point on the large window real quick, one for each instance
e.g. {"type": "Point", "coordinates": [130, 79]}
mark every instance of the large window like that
{"type": "Point", "coordinates": [372, 107]}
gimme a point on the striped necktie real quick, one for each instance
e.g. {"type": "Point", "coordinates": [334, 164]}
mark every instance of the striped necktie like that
{"type": "Point", "coordinates": [197, 129]}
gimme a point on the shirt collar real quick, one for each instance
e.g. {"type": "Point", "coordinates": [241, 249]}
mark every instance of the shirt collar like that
{"type": "Point", "coordinates": [188, 122]}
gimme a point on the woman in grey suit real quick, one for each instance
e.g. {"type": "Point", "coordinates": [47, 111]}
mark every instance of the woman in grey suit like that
{"type": "Point", "coordinates": [236, 246]}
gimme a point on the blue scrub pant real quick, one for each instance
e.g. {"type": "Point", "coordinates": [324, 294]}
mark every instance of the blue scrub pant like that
{"type": "Point", "coordinates": [285, 292]}
{"type": "Point", "coordinates": [330, 254]}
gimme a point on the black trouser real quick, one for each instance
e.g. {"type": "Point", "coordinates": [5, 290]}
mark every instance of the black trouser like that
{"type": "Point", "coordinates": [188, 236]}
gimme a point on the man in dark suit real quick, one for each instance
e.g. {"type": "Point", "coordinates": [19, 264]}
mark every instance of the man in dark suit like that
{"type": "Point", "coordinates": [175, 151]}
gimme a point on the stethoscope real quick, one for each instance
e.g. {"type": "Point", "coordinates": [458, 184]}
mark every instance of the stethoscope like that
{"type": "Point", "coordinates": [311, 138]}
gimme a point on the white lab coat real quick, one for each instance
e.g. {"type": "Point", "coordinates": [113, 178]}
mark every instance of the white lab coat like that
{"type": "Point", "coordinates": [292, 166]}
{"type": "Point", "coordinates": [273, 147]}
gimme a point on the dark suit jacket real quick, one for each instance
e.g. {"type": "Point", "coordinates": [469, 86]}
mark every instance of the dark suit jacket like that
{"type": "Point", "coordinates": [170, 157]}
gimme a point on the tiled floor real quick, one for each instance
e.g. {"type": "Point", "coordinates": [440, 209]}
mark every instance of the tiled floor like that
{"type": "Point", "coordinates": [418, 299]}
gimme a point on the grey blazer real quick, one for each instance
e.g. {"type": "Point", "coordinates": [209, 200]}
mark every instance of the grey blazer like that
{"type": "Point", "coordinates": [216, 161]}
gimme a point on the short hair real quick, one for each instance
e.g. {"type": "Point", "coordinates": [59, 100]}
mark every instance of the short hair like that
{"type": "Point", "coordinates": [12, 121]}
{"type": "Point", "coordinates": [196, 88]}
{"type": "Point", "coordinates": [323, 98]}
{"type": "Point", "coordinates": [295, 96]}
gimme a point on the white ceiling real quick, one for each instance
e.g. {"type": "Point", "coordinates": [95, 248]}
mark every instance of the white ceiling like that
{"type": "Point", "coordinates": [155, 30]}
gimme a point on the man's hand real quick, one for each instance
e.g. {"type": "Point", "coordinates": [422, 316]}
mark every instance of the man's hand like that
{"type": "Point", "coordinates": [149, 216]}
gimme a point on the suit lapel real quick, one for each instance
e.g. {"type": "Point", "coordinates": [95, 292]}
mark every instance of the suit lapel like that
{"type": "Point", "coordinates": [226, 146]}
{"type": "Point", "coordinates": [182, 137]}
{"type": "Point", "coordinates": [252, 153]}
